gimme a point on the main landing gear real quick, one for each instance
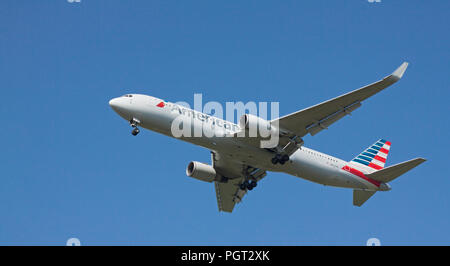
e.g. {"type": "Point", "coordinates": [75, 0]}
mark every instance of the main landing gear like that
{"type": "Point", "coordinates": [248, 185]}
{"type": "Point", "coordinates": [282, 159]}
{"type": "Point", "coordinates": [134, 124]}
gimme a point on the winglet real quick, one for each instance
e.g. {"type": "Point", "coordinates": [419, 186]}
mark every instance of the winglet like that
{"type": "Point", "coordinates": [398, 73]}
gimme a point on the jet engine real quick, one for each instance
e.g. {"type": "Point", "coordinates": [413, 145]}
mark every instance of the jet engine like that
{"type": "Point", "coordinates": [201, 171]}
{"type": "Point", "coordinates": [257, 127]}
{"type": "Point", "coordinates": [249, 121]}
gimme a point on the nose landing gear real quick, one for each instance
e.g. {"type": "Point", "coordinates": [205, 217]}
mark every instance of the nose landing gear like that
{"type": "Point", "coordinates": [134, 124]}
{"type": "Point", "coordinates": [135, 131]}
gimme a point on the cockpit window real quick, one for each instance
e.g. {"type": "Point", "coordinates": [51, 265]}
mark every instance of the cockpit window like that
{"type": "Point", "coordinates": [127, 95]}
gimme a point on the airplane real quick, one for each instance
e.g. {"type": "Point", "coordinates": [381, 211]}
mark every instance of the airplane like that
{"type": "Point", "coordinates": [239, 163]}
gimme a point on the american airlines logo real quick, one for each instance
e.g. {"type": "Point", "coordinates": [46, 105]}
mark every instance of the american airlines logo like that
{"type": "Point", "coordinates": [214, 121]}
{"type": "Point", "coordinates": [208, 120]}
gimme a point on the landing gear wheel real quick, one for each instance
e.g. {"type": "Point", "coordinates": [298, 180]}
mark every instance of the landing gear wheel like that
{"type": "Point", "coordinates": [135, 131]}
{"type": "Point", "coordinates": [251, 185]}
{"type": "Point", "coordinates": [280, 159]}
{"type": "Point", "coordinates": [274, 160]}
{"type": "Point", "coordinates": [244, 185]}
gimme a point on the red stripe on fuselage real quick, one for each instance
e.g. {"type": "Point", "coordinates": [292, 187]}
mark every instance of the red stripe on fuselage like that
{"type": "Point", "coordinates": [360, 174]}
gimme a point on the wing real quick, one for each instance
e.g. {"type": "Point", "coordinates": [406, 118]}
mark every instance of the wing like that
{"type": "Point", "coordinates": [228, 191]}
{"type": "Point", "coordinates": [318, 117]}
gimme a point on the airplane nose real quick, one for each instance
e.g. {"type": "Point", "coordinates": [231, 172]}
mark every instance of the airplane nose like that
{"type": "Point", "coordinates": [120, 106]}
{"type": "Point", "coordinates": [114, 103]}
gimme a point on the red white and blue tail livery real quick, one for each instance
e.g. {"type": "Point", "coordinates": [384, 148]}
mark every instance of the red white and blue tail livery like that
{"type": "Point", "coordinates": [373, 158]}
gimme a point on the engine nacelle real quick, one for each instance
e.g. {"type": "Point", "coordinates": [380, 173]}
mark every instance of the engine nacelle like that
{"type": "Point", "coordinates": [256, 126]}
{"type": "Point", "coordinates": [201, 171]}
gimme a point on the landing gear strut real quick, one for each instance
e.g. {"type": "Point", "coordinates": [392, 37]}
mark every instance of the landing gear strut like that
{"type": "Point", "coordinates": [134, 124]}
{"type": "Point", "coordinates": [282, 159]}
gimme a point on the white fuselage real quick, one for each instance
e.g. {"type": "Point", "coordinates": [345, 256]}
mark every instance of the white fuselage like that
{"type": "Point", "coordinates": [158, 115]}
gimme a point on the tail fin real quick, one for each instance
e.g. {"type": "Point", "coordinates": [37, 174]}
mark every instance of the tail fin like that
{"type": "Point", "coordinates": [374, 157]}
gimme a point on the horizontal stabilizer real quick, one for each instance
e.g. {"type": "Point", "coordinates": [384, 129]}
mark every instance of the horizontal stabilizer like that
{"type": "Point", "coordinates": [392, 172]}
{"type": "Point", "coordinates": [361, 196]}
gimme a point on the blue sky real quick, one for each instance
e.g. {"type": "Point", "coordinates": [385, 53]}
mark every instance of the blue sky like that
{"type": "Point", "coordinates": [70, 168]}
